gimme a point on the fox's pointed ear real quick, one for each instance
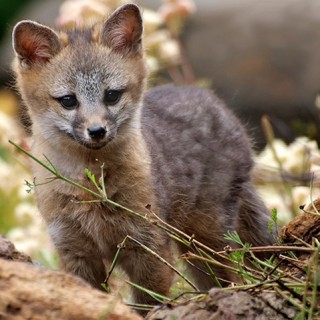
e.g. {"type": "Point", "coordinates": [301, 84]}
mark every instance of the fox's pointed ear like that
{"type": "Point", "coordinates": [122, 32]}
{"type": "Point", "coordinates": [34, 43]}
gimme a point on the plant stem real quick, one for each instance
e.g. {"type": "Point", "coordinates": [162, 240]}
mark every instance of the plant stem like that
{"type": "Point", "coordinates": [164, 261]}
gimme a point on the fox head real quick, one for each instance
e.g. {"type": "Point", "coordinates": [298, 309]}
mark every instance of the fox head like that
{"type": "Point", "coordinates": [86, 85]}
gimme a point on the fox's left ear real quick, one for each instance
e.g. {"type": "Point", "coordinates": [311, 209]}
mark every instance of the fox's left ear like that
{"type": "Point", "coordinates": [122, 32]}
{"type": "Point", "coordinates": [34, 43]}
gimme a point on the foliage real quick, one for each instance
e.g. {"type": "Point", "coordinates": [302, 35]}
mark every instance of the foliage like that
{"type": "Point", "coordinates": [287, 177]}
{"type": "Point", "coordinates": [300, 289]}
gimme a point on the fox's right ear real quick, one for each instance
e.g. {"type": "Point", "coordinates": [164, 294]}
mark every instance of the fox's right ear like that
{"type": "Point", "coordinates": [34, 43]}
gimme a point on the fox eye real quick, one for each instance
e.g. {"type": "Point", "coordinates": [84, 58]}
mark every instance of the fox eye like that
{"type": "Point", "coordinates": [69, 102]}
{"type": "Point", "coordinates": [112, 97]}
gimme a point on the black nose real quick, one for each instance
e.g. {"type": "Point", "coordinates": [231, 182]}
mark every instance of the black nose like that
{"type": "Point", "coordinates": [97, 132]}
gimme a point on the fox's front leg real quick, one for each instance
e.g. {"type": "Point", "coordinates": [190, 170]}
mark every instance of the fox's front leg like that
{"type": "Point", "coordinates": [146, 270]}
{"type": "Point", "coordinates": [78, 253]}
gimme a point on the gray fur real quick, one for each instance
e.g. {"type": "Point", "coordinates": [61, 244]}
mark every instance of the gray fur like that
{"type": "Point", "coordinates": [201, 163]}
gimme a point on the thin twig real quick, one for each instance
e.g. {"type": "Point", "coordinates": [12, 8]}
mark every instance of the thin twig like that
{"type": "Point", "coordinates": [315, 260]}
{"type": "Point", "coordinates": [164, 261]}
{"type": "Point", "coordinates": [269, 135]}
{"type": "Point", "coordinates": [289, 299]}
{"type": "Point", "coordinates": [270, 249]}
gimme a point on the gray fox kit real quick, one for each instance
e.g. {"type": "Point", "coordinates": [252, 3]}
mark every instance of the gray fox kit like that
{"type": "Point", "coordinates": [177, 149]}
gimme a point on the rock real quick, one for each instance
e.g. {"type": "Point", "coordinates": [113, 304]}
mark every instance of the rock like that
{"type": "Point", "coordinates": [32, 292]}
{"type": "Point", "coordinates": [261, 58]}
{"type": "Point", "coordinates": [227, 305]}
{"type": "Point", "coordinates": [305, 226]}
{"type": "Point", "coordinates": [9, 252]}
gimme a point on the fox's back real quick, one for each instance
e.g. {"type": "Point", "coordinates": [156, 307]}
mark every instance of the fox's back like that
{"type": "Point", "coordinates": [198, 148]}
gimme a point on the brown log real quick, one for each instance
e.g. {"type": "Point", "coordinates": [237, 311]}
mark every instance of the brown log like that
{"type": "Point", "coordinates": [30, 292]}
{"type": "Point", "coordinates": [305, 226]}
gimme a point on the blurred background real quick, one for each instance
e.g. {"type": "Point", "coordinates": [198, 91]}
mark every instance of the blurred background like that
{"type": "Point", "coordinates": [261, 57]}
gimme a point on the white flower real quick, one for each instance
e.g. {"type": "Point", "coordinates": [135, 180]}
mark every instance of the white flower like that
{"type": "Point", "coordinates": [26, 212]}
{"type": "Point", "coordinates": [169, 52]}
{"type": "Point", "coordinates": [302, 195]}
{"type": "Point", "coordinates": [152, 21]}
{"type": "Point", "coordinates": [82, 13]}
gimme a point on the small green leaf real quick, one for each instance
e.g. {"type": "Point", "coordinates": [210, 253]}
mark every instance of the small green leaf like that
{"type": "Point", "coordinates": [273, 223]}
{"type": "Point", "coordinates": [158, 297]}
{"type": "Point", "coordinates": [234, 237]}
{"type": "Point", "coordinates": [106, 287]}
{"type": "Point", "coordinates": [90, 175]}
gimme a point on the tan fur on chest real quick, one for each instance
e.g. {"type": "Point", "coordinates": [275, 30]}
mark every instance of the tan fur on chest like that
{"type": "Point", "coordinates": [124, 167]}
